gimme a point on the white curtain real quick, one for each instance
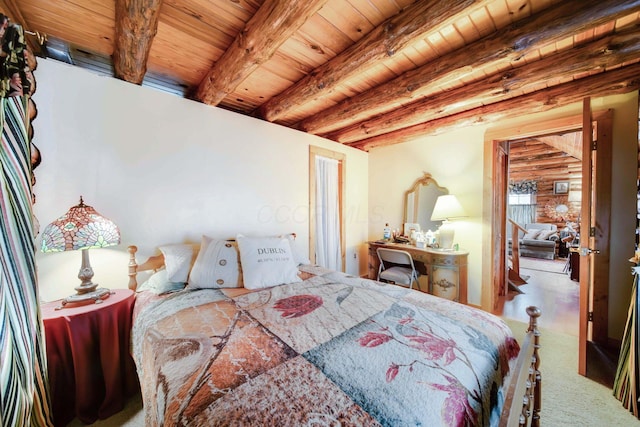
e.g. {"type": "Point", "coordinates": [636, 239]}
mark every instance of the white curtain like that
{"type": "Point", "coordinates": [522, 214]}
{"type": "Point", "coordinates": [327, 214]}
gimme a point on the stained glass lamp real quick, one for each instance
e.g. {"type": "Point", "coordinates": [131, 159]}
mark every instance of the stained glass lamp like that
{"type": "Point", "coordinates": [81, 228]}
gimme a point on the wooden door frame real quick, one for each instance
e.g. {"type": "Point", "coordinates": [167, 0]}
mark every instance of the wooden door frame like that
{"type": "Point", "coordinates": [491, 221]}
{"type": "Point", "coordinates": [501, 184]}
{"type": "Point", "coordinates": [491, 218]}
{"type": "Point", "coordinates": [342, 185]}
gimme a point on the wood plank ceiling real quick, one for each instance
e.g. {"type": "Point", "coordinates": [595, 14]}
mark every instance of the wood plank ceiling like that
{"type": "Point", "coordinates": [361, 72]}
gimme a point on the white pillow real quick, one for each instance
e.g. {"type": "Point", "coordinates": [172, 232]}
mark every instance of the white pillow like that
{"type": "Point", "coordinates": [545, 234]}
{"type": "Point", "coordinates": [177, 261]}
{"type": "Point", "coordinates": [216, 265]}
{"type": "Point", "coordinates": [266, 261]}
{"type": "Point", "coordinates": [158, 283]}
{"type": "Point", "coordinates": [298, 256]}
{"type": "Point", "coordinates": [531, 234]}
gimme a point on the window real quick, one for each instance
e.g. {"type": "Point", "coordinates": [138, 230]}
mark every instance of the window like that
{"type": "Point", "coordinates": [522, 199]}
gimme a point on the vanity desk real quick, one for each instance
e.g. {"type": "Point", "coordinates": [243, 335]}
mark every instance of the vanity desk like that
{"type": "Point", "coordinates": [446, 270]}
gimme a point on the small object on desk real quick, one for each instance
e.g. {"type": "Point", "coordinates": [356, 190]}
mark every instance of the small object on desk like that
{"type": "Point", "coordinates": [386, 232]}
{"type": "Point", "coordinates": [402, 240]}
{"type": "Point", "coordinates": [430, 238]}
{"type": "Point", "coordinates": [91, 372]}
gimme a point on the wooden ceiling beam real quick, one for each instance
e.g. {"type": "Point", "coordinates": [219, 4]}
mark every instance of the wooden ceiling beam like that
{"type": "Point", "coordinates": [570, 144]}
{"type": "Point", "coordinates": [136, 27]}
{"type": "Point", "coordinates": [541, 161]}
{"type": "Point", "coordinates": [552, 24]}
{"type": "Point", "coordinates": [618, 81]}
{"type": "Point", "coordinates": [266, 31]}
{"type": "Point", "coordinates": [596, 56]}
{"type": "Point", "coordinates": [384, 41]}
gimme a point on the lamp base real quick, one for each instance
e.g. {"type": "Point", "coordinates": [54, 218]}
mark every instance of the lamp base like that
{"type": "Point", "coordinates": [446, 233]}
{"type": "Point", "coordinates": [95, 297]}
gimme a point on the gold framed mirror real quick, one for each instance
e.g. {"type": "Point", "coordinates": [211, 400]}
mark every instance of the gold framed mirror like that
{"type": "Point", "coordinates": [419, 201]}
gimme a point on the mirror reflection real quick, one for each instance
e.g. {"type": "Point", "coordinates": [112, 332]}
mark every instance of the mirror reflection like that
{"type": "Point", "coordinates": [419, 201]}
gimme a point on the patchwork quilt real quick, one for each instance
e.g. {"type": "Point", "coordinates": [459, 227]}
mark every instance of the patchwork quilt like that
{"type": "Point", "coordinates": [331, 350]}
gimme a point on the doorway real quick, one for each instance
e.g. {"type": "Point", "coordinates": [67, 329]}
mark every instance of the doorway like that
{"type": "Point", "coordinates": [543, 196]}
{"type": "Point", "coordinates": [591, 292]}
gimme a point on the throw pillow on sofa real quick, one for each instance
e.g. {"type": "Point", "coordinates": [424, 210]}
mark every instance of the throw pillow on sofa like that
{"type": "Point", "coordinates": [545, 234]}
{"type": "Point", "coordinates": [531, 234]}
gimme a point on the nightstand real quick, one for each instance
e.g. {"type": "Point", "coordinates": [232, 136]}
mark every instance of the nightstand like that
{"type": "Point", "coordinates": [91, 372]}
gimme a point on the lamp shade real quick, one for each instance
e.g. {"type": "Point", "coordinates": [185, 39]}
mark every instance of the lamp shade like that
{"type": "Point", "coordinates": [80, 228]}
{"type": "Point", "coordinates": [447, 207]}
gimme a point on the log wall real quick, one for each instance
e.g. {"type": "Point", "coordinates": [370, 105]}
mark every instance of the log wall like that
{"type": "Point", "coordinates": [535, 160]}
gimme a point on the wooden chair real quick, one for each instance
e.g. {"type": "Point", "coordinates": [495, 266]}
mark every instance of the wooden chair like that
{"type": "Point", "coordinates": [397, 266]}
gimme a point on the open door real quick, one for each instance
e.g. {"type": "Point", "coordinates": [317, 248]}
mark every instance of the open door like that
{"type": "Point", "coordinates": [501, 179]}
{"type": "Point", "coordinates": [594, 224]}
{"type": "Point", "coordinates": [594, 231]}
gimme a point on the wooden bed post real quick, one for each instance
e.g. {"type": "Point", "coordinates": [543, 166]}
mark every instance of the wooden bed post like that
{"type": "Point", "coordinates": [523, 398]}
{"type": "Point", "coordinates": [153, 263]}
{"type": "Point", "coordinates": [133, 267]}
{"type": "Point", "coordinates": [536, 386]}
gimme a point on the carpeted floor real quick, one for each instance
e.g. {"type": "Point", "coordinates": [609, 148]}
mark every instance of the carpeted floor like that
{"type": "Point", "coordinates": [569, 399]}
{"type": "Point", "coordinates": [130, 416]}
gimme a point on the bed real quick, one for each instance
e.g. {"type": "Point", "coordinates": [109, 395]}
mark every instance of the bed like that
{"type": "Point", "coordinates": [320, 348]}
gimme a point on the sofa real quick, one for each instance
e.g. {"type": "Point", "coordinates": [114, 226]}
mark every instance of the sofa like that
{"type": "Point", "coordinates": [539, 241]}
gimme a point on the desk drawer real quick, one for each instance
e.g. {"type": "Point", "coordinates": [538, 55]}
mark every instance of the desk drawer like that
{"type": "Point", "coordinates": [446, 260]}
{"type": "Point", "coordinates": [421, 257]}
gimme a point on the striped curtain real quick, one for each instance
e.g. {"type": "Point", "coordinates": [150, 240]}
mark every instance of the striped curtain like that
{"type": "Point", "coordinates": [24, 397]}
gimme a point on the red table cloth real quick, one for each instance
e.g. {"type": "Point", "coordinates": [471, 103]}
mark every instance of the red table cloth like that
{"type": "Point", "coordinates": [91, 372]}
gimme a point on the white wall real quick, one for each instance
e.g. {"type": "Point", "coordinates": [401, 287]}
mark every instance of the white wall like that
{"type": "Point", "coordinates": [167, 170]}
{"type": "Point", "coordinates": [455, 162]}
{"type": "Point", "coordinates": [455, 159]}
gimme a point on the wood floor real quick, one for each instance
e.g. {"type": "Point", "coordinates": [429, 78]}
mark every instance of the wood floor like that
{"type": "Point", "coordinates": [550, 288]}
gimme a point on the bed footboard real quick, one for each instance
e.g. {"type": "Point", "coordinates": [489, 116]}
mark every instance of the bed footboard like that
{"type": "Point", "coordinates": [523, 400]}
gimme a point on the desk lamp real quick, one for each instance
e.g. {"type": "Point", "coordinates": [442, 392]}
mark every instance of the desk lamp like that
{"type": "Point", "coordinates": [81, 228]}
{"type": "Point", "coordinates": [446, 208]}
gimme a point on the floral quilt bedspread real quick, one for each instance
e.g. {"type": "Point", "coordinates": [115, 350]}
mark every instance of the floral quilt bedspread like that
{"type": "Point", "coordinates": [331, 350]}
